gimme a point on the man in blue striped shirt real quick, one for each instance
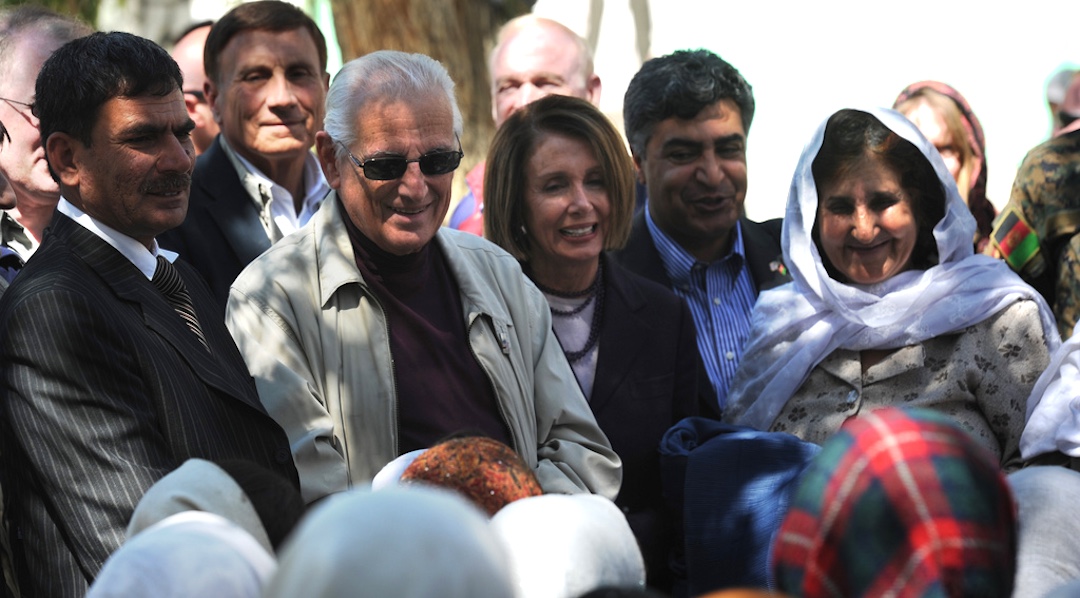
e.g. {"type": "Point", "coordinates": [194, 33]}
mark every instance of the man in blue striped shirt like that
{"type": "Point", "coordinates": [686, 116]}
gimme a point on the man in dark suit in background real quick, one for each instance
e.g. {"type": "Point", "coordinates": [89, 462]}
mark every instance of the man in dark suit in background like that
{"type": "Point", "coordinates": [686, 116]}
{"type": "Point", "coordinates": [259, 181]}
{"type": "Point", "coordinates": [115, 365]}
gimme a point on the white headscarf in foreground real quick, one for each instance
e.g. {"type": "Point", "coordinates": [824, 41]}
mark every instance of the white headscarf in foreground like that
{"type": "Point", "coordinates": [796, 326]}
{"type": "Point", "coordinates": [402, 541]}
{"type": "Point", "coordinates": [565, 545]}
{"type": "Point", "coordinates": [198, 485]}
{"type": "Point", "coordinates": [1054, 406]}
{"type": "Point", "coordinates": [188, 554]}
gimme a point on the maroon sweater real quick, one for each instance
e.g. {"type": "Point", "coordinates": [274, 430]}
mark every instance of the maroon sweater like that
{"type": "Point", "coordinates": [441, 388]}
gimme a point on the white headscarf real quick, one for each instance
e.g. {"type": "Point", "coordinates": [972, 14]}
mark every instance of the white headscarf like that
{"type": "Point", "coordinates": [1054, 406]}
{"type": "Point", "coordinates": [188, 554]}
{"type": "Point", "coordinates": [198, 485]}
{"type": "Point", "coordinates": [565, 545]}
{"type": "Point", "coordinates": [402, 541]}
{"type": "Point", "coordinates": [796, 326]}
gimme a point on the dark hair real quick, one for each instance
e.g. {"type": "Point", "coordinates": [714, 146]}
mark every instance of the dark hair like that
{"type": "Point", "coordinates": [274, 498]}
{"type": "Point", "coordinates": [514, 145]}
{"type": "Point", "coordinates": [681, 84]}
{"type": "Point", "coordinates": [264, 15]}
{"type": "Point", "coordinates": [853, 135]}
{"type": "Point", "coordinates": [77, 80]}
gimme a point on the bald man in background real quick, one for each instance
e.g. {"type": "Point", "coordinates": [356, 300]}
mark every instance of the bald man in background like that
{"type": "Point", "coordinates": [188, 53]}
{"type": "Point", "coordinates": [533, 57]}
{"type": "Point", "coordinates": [28, 35]}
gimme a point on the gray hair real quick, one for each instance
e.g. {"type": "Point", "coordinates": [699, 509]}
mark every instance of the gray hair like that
{"type": "Point", "coordinates": [382, 75]}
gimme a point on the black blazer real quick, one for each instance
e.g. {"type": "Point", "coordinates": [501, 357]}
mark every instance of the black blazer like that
{"type": "Point", "coordinates": [104, 390]}
{"type": "Point", "coordinates": [761, 241]}
{"type": "Point", "coordinates": [645, 382]}
{"type": "Point", "coordinates": [222, 232]}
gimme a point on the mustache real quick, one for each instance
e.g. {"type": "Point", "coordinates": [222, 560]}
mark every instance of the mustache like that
{"type": "Point", "coordinates": [165, 184]}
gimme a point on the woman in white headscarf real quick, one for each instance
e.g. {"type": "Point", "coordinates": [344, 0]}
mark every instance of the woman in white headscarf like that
{"type": "Point", "coordinates": [888, 304]}
{"type": "Point", "coordinates": [562, 545]}
{"type": "Point", "coordinates": [405, 542]}
{"type": "Point", "coordinates": [193, 553]}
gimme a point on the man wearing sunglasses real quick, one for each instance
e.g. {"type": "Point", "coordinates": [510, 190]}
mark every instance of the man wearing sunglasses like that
{"type": "Point", "coordinates": [28, 35]}
{"type": "Point", "coordinates": [374, 331]}
{"type": "Point", "coordinates": [258, 181]}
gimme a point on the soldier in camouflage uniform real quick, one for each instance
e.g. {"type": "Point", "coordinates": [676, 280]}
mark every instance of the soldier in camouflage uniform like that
{"type": "Point", "coordinates": [1036, 233]}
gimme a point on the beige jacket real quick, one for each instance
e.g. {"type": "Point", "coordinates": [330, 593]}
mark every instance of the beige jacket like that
{"type": "Point", "coordinates": [315, 338]}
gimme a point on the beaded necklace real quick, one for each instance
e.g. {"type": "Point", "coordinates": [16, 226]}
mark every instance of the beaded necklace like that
{"type": "Point", "coordinates": [594, 292]}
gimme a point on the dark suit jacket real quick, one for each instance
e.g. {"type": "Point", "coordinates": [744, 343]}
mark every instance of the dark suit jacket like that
{"type": "Point", "coordinates": [761, 241]}
{"type": "Point", "coordinates": [222, 232]}
{"type": "Point", "coordinates": [645, 382]}
{"type": "Point", "coordinates": [104, 390]}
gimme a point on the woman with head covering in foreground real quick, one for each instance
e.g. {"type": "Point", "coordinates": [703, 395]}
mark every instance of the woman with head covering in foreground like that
{"type": "Point", "coordinates": [888, 305]}
{"type": "Point", "coordinates": [899, 503]}
{"type": "Point", "coordinates": [405, 542]}
{"type": "Point", "coordinates": [188, 554]}
{"type": "Point", "coordinates": [563, 546]}
{"type": "Point", "coordinates": [261, 502]}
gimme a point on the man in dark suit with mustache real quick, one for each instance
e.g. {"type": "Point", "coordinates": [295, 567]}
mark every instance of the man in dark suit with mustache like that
{"type": "Point", "coordinates": [115, 365]}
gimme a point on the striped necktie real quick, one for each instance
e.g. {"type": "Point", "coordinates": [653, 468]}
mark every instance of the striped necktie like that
{"type": "Point", "coordinates": [168, 281]}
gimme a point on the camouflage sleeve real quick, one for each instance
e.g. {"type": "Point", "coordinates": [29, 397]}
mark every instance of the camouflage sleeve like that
{"type": "Point", "coordinates": [1067, 290]}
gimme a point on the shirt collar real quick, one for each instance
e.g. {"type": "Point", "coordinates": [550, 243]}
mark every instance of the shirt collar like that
{"type": "Point", "coordinates": [143, 259]}
{"type": "Point", "coordinates": [677, 261]}
{"type": "Point", "coordinates": [254, 181]}
{"type": "Point", "coordinates": [14, 236]}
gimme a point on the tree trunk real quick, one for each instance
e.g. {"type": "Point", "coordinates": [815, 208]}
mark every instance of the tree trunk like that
{"type": "Point", "coordinates": [457, 33]}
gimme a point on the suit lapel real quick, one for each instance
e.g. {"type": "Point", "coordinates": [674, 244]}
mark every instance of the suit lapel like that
{"type": "Point", "coordinates": [619, 338]}
{"type": "Point", "coordinates": [129, 284]}
{"type": "Point", "coordinates": [232, 209]}
{"type": "Point", "coordinates": [762, 255]}
{"type": "Point", "coordinates": [640, 254]}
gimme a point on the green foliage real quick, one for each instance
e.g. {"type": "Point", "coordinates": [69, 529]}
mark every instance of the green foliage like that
{"type": "Point", "coordinates": [86, 10]}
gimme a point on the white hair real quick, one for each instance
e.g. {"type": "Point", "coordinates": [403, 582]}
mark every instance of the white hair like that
{"type": "Point", "coordinates": [382, 75]}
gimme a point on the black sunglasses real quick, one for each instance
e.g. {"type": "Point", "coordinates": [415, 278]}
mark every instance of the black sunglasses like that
{"type": "Point", "coordinates": [393, 167]}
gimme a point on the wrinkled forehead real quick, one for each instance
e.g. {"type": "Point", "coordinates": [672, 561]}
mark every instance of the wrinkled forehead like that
{"type": "Point", "coordinates": [396, 116]}
{"type": "Point", "coordinates": [539, 50]}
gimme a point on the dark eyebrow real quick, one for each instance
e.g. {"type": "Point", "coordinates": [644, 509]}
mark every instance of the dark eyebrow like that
{"type": "Point", "coordinates": [680, 143]}
{"type": "Point", "coordinates": [729, 139]}
{"type": "Point", "coordinates": [150, 130]}
{"type": "Point", "coordinates": [886, 195]}
{"type": "Point", "coordinates": [142, 130]}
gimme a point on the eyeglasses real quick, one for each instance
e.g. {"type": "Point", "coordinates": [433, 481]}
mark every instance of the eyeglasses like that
{"type": "Point", "coordinates": [19, 106]}
{"type": "Point", "coordinates": [389, 168]}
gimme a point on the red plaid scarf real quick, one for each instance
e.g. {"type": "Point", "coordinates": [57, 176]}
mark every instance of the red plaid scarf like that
{"type": "Point", "coordinates": [899, 503]}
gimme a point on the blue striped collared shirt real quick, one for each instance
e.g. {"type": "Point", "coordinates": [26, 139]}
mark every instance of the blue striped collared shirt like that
{"type": "Point", "coordinates": [721, 296]}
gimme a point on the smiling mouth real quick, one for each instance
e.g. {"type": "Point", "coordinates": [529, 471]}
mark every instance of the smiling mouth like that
{"type": "Point", "coordinates": [578, 232]}
{"type": "Point", "coordinates": [868, 248]}
{"type": "Point", "coordinates": [710, 202]}
{"type": "Point", "coordinates": [405, 212]}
